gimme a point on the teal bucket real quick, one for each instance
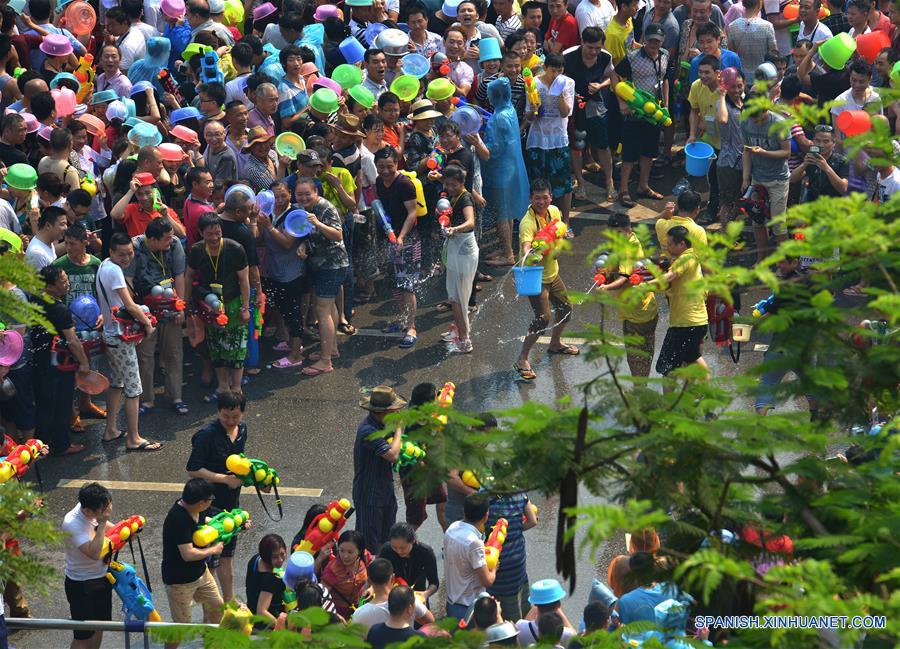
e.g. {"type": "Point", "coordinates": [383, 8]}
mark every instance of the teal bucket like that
{"type": "Point", "coordinates": [698, 156]}
{"type": "Point", "coordinates": [528, 279]}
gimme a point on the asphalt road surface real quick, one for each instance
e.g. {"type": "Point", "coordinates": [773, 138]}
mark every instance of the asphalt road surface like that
{"type": "Point", "coordinates": [305, 428]}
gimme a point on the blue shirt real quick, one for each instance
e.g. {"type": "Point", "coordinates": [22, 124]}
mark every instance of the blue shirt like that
{"type": "Point", "coordinates": [639, 604]}
{"type": "Point", "coordinates": [728, 60]}
{"type": "Point", "coordinates": [180, 37]}
{"type": "Point", "coordinates": [373, 476]}
{"type": "Point", "coordinates": [511, 572]}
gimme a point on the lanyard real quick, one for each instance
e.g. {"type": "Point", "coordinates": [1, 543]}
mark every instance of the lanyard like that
{"type": "Point", "coordinates": [161, 260]}
{"type": "Point", "coordinates": [215, 264]}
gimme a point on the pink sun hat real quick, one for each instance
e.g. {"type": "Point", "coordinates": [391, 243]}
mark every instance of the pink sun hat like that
{"type": "Point", "coordinates": [56, 45]}
{"type": "Point", "coordinates": [263, 10]}
{"type": "Point", "coordinates": [172, 8]}
{"type": "Point", "coordinates": [184, 134]}
{"type": "Point", "coordinates": [324, 12]}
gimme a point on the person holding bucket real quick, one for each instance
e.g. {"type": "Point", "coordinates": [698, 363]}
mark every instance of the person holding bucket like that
{"type": "Point", "coordinates": [553, 291]}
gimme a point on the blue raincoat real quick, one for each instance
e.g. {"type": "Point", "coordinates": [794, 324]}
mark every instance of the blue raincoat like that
{"type": "Point", "coordinates": [503, 174]}
{"type": "Point", "coordinates": [147, 69]}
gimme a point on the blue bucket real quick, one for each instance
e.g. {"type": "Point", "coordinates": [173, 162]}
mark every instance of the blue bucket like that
{"type": "Point", "coordinates": [297, 224]}
{"type": "Point", "coordinates": [528, 279]}
{"type": "Point", "coordinates": [352, 50]}
{"type": "Point", "coordinates": [698, 156]}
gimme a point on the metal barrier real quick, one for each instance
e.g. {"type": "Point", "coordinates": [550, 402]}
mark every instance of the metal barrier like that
{"type": "Point", "coordinates": [129, 627]}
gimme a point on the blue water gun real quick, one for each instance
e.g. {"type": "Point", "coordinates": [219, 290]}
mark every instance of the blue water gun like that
{"type": "Point", "coordinates": [762, 307]}
{"type": "Point", "coordinates": [137, 602]}
{"type": "Point", "coordinates": [209, 68]}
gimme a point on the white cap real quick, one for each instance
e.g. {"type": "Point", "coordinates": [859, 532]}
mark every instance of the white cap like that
{"type": "Point", "coordinates": [216, 6]}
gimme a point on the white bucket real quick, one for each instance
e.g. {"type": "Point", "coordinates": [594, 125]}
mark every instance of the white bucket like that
{"type": "Point", "coordinates": [741, 332]}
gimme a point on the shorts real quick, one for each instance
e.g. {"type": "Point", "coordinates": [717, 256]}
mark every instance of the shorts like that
{"type": "Point", "coordinates": [680, 347]}
{"type": "Point", "coordinates": [729, 185]}
{"type": "Point", "coordinates": [416, 512]}
{"type": "Point", "coordinates": [598, 132]}
{"type": "Point", "coordinates": [553, 166]}
{"type": "Point", "coordinates": [639, 140]}
{"type": "Point", "coordinates": [778, 193]}
{"type": "Point", "coordinates": [204, 591]}
{"type": "Point", "coordinates": [20, 409]}
{"type": "Point", "coordinates": [553, 297]}
{"type": "Point", "coordinates": [327, 282]}
{"type": "Point", "coordinates": [89, 600]}
{"type": "Point", "coordinates": [123, 366]}
{"type": "Point", "coordinates": [227, 345]}
{"type": "Point", "coordinates": [406, 264]}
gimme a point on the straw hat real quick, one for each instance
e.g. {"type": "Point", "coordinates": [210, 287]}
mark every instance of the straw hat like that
{"type": "Point", "coordinates": [422, 109]}
{"type": "Point", "coordinates": [382, 399]}
{"type": "Point", "coordinates": [348, 125]}
{"type": "Point", "coordinates": [256, 135]}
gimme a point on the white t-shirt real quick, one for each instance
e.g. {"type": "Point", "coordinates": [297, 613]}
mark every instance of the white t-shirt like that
{"type": "Point", "coordinates": [132, 47]}
{"type": "Point", "coordinates": [371, 614]}
{"type": "Point", "coordinates": [463, 555]}
{"type": "Point", "coordinates": [818, 33]}
{"type": "Point", "coordinates": [80, 529]}
{"type": "Point", "coordinates": [589, 15]}
{"type": "Point", "coordinates": [39, 254]}
{"type": "Point", "coordinates": [888, 186]}
{"type": "Point", "coordinates": [528, 634]}
{"type": "Point", "coordinates": [111, 277]}
{"type": "Point", "coordinates": [782, 35]}
{"type": "Point", "coordinates": [849, 102]}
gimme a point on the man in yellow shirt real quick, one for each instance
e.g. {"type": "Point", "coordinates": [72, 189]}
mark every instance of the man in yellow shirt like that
{"type": "Point", "coordinates": [708, 112]}
{"type": "Point", "coordinates": [553, 291]}
{"type": "Point", "coordinates": [620, 31]}
{"type": "Point", "coordinates": [688, 320]}
{"type": "Point", "coordinates": [688, 209]}
{"type": "Point", "coordinates": [638, 318]}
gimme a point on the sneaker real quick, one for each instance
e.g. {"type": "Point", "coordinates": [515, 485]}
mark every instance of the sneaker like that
{"type": "Point", "coordinates": [448, 336]}
{"type": "Point", "coordinates": [462, 347]}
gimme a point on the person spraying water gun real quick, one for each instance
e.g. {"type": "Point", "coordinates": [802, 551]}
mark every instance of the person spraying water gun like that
{"type": "Point", "coordinates": [121, 533]}
{"type": "Point", "coordinates": [222, 527]}
{"type": "Point", "coordinates": [85, 74]}
{"type": "Point", "coordinates": [762, 307]}
{"type": "Point", "coordinates": [546, 239]}
{"type": "Point", "coordinates": [644, 105]}
{"type": "Point", "coordinates": [381, 215]}
{"type": "Point", "coordinates": [494, 545]}
{"type": "Point", "coordinates": [531, 92]}
{"type": "Point", "coordinates": [325, 527]}
{"type": "Point", "coordinates": [258, 474]}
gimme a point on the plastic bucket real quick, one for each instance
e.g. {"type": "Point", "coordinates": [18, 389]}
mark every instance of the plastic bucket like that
{"type": "Point", "coordinates": [11, 347]}
{"type": "Point", "coordinates": [791, 11]}
{"type": "Point", "coordinates": [415, 65]}
{"type": "Point", "coordinates": [837, 50]}
{"type": "Point", "coordinates": [347, 75]}
{"type": "Point", "coordinates": [728, 77]}
{"type": "Point", "coordinates": [92, 382]}
{"type": "Point", "coordinates": [297, 224]}
{"type": "Point", "coordinates": [406, 87]}
{"type": "Point", "coordinates": [854, 122]}
{"type": "Point", "coordinates": [528, 279]}
{"type": "Point", "coordinates": [698, 156]}
{"type": "Point", "coordinates": [64, 99]}
{"type": "Point", "coordinates": [80, 18]}
{"type": "Point", "coordinates": [740, 333]}
{"type": "Point", "coordinates": [352, 50]}
{"type": "Point", "coordinates": [289, 144]}
{"type": "Point", "coordinates": [869, 45]}
{"type": "Point", "coordinates": [266, 201]}
{"type": "Point", "coordinates": [467, 119]}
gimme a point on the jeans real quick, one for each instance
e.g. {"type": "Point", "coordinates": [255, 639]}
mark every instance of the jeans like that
{"type": "Point", "coordinates": [456, 610]}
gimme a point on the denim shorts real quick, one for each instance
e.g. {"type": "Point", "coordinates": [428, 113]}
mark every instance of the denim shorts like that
{"type": "Point", "coordinates": [328, 281]}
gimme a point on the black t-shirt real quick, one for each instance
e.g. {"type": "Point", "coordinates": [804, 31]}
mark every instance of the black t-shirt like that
{"type": "Point", "coordinates": [382, 635]}
{"type": "Point", "coordinates": [241, 234]}
{"type": "Point", "coordinates": [394, 197]}
{"type": "Point", "coordinates": [465, 200]}
{"type": "Point", "coordinates": [818, 181]}
{"type": "Point", "coordinates": [465, 159]}
{"type": "Point", "coordinates": [583, 75]}
{"type": "Point", "coordinates": [258, 582]}
{"type": "Point", "coordinates": [828, 86]}
{"type": "Point", "coordinates": [178, 529]}
{"type": "Point", "coordinates": [11, 155]}
{"type": "Point", "coordinates": [231, 259]}
{"type": "Point", "coordinates": [418, 570]}
{"type": "Point", "coordinates": [41, 339]}
{"type": "Point", "coordinates": [210, 447]}
{"type": "Point", "coordinates": [437, 25]}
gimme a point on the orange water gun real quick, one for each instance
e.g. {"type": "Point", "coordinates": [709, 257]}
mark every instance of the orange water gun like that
{"type": "Point", "coordinates": [445, 399]}
{"type": "Point", "coordinates": [494, 544]}
{"type": "Point", "coordinates": [118, 536]}
{"type": "Point", "coordinates": [531, 91]}
{"type": "Point", "coordinates": [85, 74]}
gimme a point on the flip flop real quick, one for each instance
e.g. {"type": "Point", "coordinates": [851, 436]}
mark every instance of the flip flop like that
{"type": "Point", "coordinates": [181, 407]}
{"type": "Point", "coordinates": [114, 439]}
{"type": "Point", "coordinates": [283, 346]}
{"type": "Point", "coordinates": [408, 341]}
{"type": "Point", "coordinates": [485, 278]}
{"type": "Point", "coordinates": [626, 200]}
{"type": "Point", "coordinates": [525, 373]}
{"type": "Point", "coordinates": [652, 195]}
{"type": "Point", "coordinates": [144, 447]}
{"type": "Point", "coordinates": [315, 371]}
{"type": "Point", "coordinates": [285, 363]}
{"type": "Point", "coordinates": [565, 350]}
{"type": "Point", "coordinates": [315, 357]}
{"type": "Point", "coordinates": [346, 328]}
{"type": "Point", "coordinates": [143, 410]}
{"type": "Point", "coordinates": [443, 307]}
{"type": "Point", "coordinates": [212, 397]}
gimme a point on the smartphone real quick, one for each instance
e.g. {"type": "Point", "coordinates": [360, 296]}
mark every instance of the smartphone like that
{"type": "Point", "coordinates": [814, 150]}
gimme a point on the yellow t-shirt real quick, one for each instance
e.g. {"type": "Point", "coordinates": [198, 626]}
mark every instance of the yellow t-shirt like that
{"type": "Point", "coordinates": [687, 303]}
{"type": "Point", "coordinates": [619, 39]}
{"type": "Point", "coordinates": [331, 195]}
{"type": "Point", "coordinates": [696, 232]}
{"type": "Point", "coordinates": [646, 309]}
{"type": "Point", "coordinates": [706, 100]}
{"type": "Point", "coordinates": [530, 224]}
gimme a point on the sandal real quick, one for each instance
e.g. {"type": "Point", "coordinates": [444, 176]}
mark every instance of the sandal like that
{"type": "Point", "coordinates": [443, 307]}
{"type": "Point", "coordinates": [143, 409]}
{"type": "Point", "coordinates": [181, 407]}
{"type": "Point", "coordinates": [315, 357]}
{"type": "Point", "coordinates": [113, 439]}
{"type": "Point", "coordinates": [593, 167]}
{"type": "Point", "coordinates": [525, 373]}
{"type": "Point", "coordinates": [652, 195]}
{"type": "Point", "coordinates": [212, 397]}
{"type": "Point", "coordinates": [579, 193]}
{"type": "Point", "coordinates": [315, 371]}
{"type": "Point", "coordinates": [346, 328]}
{"type": "Point", "coordinates": [626, 200]}
{"type": "Point", "coordinates": [144, 447]}
{"type": "Point", "coordinates": [612, 195]}
{"type": "Point", "coordinates": [853, 291]}
{"type": "Point", "coordinates": [408, 341]}
{"type": "Point", "coordinates": [285, 363]}
{"type": "Point", "coordinates": [565, 350]}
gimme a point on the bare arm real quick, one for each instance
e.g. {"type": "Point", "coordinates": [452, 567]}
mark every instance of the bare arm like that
{"type": "Point", "coordinates": [118, 210]}
{"type": "Point", "coordinates": [466, 226]}
{"type": "Point", "coordinates": [84, 365]}
{"type": "Point", "coordinates": [485, 575]}
{"type": "Point", "coordinates": [133, 309]}
{"type": "Point", "coordinates": [394, 451]}
{"type": "Point", "coordinates": [411, 218]}
{"type": "Point", "coordinates": [530, 516]}
{"type": "Point", "coordinates": [191, 553]}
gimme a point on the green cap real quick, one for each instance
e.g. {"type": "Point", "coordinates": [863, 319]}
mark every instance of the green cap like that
{"type": "Point", "coordinates": [21, 176]}
{"type": "Point", "coordinates": [325, 101]}
{"type": "Point", "coordinates": [193, 49]}
{"type": "Point", "coordinates": [440, 89]}
{"type": "Point", "coordinates": [362, 96]}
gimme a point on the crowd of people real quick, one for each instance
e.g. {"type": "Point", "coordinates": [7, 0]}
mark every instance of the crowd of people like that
{"type": "Point", "coordinates": [232, 172]}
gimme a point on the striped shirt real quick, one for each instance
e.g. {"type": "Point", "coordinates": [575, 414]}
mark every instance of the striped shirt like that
{"type": "Point", "coordinates": [291, 99]}
{"type": "Point", "coordinates": [518, 93]}
{"type": "Point", "coordinates": [511, 572]}
{"type": "Point", "coordinates": [507, 27]}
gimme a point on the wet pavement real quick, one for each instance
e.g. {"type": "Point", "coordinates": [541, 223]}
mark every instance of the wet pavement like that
{"type": "Point", "coordinates": [305, 427]}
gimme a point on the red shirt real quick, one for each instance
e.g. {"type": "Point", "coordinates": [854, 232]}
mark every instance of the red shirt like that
{"type": "Point", "coordinates": [564, 31]}
{"type": "Point", "coordinates": [136, 219]}
{"type": "Point", "coordinates": [192, 212]}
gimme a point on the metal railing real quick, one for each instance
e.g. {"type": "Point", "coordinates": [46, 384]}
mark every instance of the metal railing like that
{"type": "Point", "coordinates": [126, 627]}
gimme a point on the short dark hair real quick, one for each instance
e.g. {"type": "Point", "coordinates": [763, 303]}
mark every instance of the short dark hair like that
{"type": "Point", "coordinates": [40, 10]}
{"type": "Point", "coordinates": [269, 545]}
{"type": "Point", "coordinates": [290, 50]}
{"type": "Point", "coordinates": [400, 599]}
{"type": "Point", "coordinates": [860, 66]}
{"type": "Point", "coordinates": [230, 400]}
{"type": "Point", "coordinates": [862, 5]}
{"type": "Point", "coordinates": [257, 79]}
{"type": "Point", "coordinates": [207, 221]}
{"type": "Point", "coordinates": [94, 495]}
{"type": "Point", "coordinates": [387, 98]}
{"type": "Point", "coordinates": [592, 35]}
{"type": "Point", "coordinates": [356, 538]}
{"type": "Point", "coordinates": [484, 612]}
{"type": "Point", "coordinates": [50, 274]}
{"type": "Point", "coordinates": [50, 215]}
{"type": "Point", "coordinates": [539, 185]}
{"type": "Point", "coordinates": [416, 9]}
{"type": "Point", "coordinates": [371, 52]}
{"type": "Point", "coordinates": [454, 171]}
{"type": "Point", "coordinates": [215, 90]}
{"type": "Point", "coordinates": [76, 232]}
{"type": "Point", "coordinates": [380, 571]}
{"type": "Point", "coordinates": [242, 54]}
{"type": "Point", "coordinates": [60, 139]}
{"type": "Point", "coordinates": [133, 8]}
{"type": "Point", "coordinates": [475, 506]}
{"type": "Point", "coordinates": [52, 184]}
{"type": "Point", "coordinates": [596, 616]}
{"type": "Point", "coordinates": [28, 75]}
{"type": "Point", "coordinates": [688, 201]}
{"type": "Point", "coordinates": [449, 126]}
{"type": "Point", "coordinates": [550, 626]}
{"type": "Point", "coordinates": [42, 106]}
{"type": "Point", "coordinates": [196, 8]}
{"type": "Point", "coordinates": [11, 120]}
{"type": "Point", "coordinates": [791, 86]}
{"type": "Point", "coordinates": [118, 14]}
{"type": "Point", "coordinates": [196, 490]}
{"type": "Point", "coordinates": [679, 234]}
{"type": "Point", "coordinates": [403, 531]}
{"type": "Point", "coordinates": [709, 29]}
{"type": "Point", "coordinates": [422, 393]}
{"type": "Point", "coordinates": [531, 4]}
{"type": "Point", "coordinates": [158, 228]}
{"type": "Point", "coordinates": [711, 61]}
{"type": "Point", "coordinates": [193, 176]}
{"type": "Point", "coordinates": [292, 21]}
{"type": "Point", "coordinates": [386, 153]}
{"type": "Point", "coordinates": [619, 221]}
{"type": "Point", "coordinates": [555, 61]}
{"type": "Point", "coordinates": [119, 239]}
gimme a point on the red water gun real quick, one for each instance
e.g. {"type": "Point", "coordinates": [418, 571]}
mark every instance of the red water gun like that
{"type": "Point", "coordinates": [211, 310]}
{"type": "Point", "coordinates": [494, 544]}
{"type": "Point", "coordinates": [547, 236]}
{"type": "Point", "coordinates": [163, 302]}
{"type": "Point", "coordinates": [326, 526]}
{"type": "Point", "coordinates": [118, 536]}
{"type": "Point", "coordinates": [169, 85]}
{"type": "Point", "coordinates": [445, 399]}
{"type": "Point", "coordinates": [444, 211]}
{"type": "Point", "coordinates": [127, 327]}
{"type": "Point", "coordinates": [640, 273]}
{"type": "Point", "coordinates": [20, 458]}
{"type": "Point", "coordinates": [61, 356]}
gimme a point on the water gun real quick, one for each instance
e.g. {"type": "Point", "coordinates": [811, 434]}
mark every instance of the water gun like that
{"type": "Point", "coordinates": [410, 455]}
{"type": "Point", "coordinates": [61, 356]}
{"type": "Point", "coordinates": [20, 457]}
{"type": "Point", "coordinates": [444, 211]}
{"type": "Point", "coordinates": [326, 526]}
{"type": "Point", "coordinates": [85, 74]}
{"type": "Point", "coordinates": [436, 160]}
{"type": "Point", "coordinates": [89, 185]}
{"type": "Point", "coordinates": [378, 208]}
{"type": "Point", "coordinates": [118, 536]}
{"type": "Point", "coordinates": [137, 602]}
{"type": "Point", "coordinates": [7, 444]}
{"type": "Point", "coordinates": [209, 68]}
{"type": "Point", "coordinates": [546, 237]}
{"type": "Point", "coordinates": [169, 85]}
{"type": "Point", "coordinates": [600, 275]}
{"type": "Point", "coordinates": [445, 399]}
{"type": "Point", "coordinates": [643, 104]}
{"type": "Point", "coordinates": [289, 598]}
{"type": "Point", "coordinates": [762, 307]}
{"type": "Point", "coordinates": [641, 273]}
{"type": "Point", "coordinates": [531, 91]}
{"type": "Point", "coordinates": [237, 619]}
{"type": "Point", "coordinates": [459, 102]}
{"type": "Point", "coordinates": [211, 310]}
{"type": "Point", "coordinates": [258, 317]}
{"type": "Point", "coordinates": [494, 545]}
{"type": "Point", "coordinates": [469, 479]}
{"type": "Point", "coordinates": [251, 471]}
{"type": "Point", "coordinates": [163, 302]}
{"type": "Point", "coordinates": [127, 327]}
{"type": "Point", "coordinates": [221, 527]}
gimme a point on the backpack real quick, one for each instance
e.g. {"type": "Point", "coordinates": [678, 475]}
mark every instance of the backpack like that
{"type": "Point", "coordinates": [421, 209]}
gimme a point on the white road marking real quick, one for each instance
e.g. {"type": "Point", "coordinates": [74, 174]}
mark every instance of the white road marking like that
{"type": "Point", "coordinates": [378, 333]}
{"type": "Point", "coordinates": [176, 487]}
